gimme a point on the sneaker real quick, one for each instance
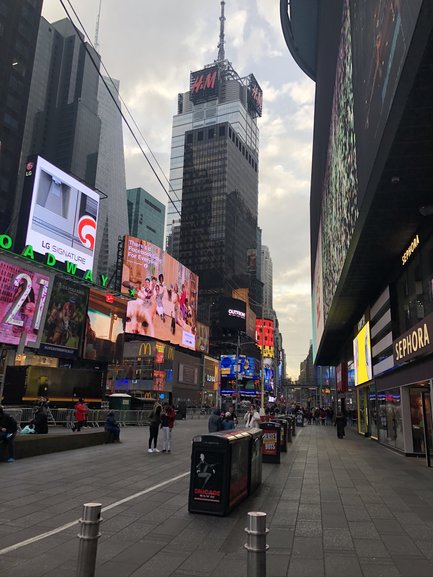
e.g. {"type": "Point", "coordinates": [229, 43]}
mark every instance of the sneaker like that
{"type": "Point", "coordinates": [10, 460]}
{"type": "Point", "coordinates": [150, 450]}
{"type": "Point", "coordinates": [156, 450]}
{"type": "Point", "coordinates": [8, 436]}
{"type": "Point", "coordinates": [168, 451]}
{"type": "Point", "coordinates": [163, 450]}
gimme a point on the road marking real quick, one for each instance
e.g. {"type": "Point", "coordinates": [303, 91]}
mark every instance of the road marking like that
{"type": "Point", "coordinates": [72, 523]}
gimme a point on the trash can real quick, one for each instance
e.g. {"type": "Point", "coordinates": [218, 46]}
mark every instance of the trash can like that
{"type": "Point", "coordinates": [219, 472]}
{"type": "Point", "coordinates": [255, 460]}
{"type": "Point", "coordinates": [271, 441]}
{"type": "Point", "coordinates": [283, 439]}
{"type": "Point", "coordinates": [293, 422]}
{"type": "Point", "coordinates": [119, 401]}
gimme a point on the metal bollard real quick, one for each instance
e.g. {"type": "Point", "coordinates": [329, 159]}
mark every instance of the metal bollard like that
{"type": "Point", "coordinates": [89, 535]}
{"type": "Point", "coordinates": [256, 544]}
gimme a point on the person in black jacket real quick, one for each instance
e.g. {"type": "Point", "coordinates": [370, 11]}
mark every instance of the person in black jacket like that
{"type": "Point", "coordinates": [340, 423]}
{"type": "Point", "coordinates": [215, 421]}
{"type": "Point", "coordinates": [40, 421]}
{"type": "Point", "coordinates": [155, 421]}
{"type": "Point", "coordinates": [8, 430]}
{"type": "Point", "coordinates": [112, 427]}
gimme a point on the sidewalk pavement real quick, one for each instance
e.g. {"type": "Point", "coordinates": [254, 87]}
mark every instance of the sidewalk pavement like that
{"type": "Point", "coordinates": [335, 508]}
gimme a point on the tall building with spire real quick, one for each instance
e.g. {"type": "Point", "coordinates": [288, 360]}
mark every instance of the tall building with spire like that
{"type": "Point", "coordinates": [212, 223]}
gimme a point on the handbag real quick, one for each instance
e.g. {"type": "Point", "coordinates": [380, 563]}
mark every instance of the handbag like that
{"type": "Point", "coordinates": [27, 430]}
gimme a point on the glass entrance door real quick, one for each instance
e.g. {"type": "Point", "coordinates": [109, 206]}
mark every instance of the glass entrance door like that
{"type": "Point", "coordinates": [421, 421]}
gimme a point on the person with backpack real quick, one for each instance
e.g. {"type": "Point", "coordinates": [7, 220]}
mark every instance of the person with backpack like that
{"type": "Point", "coordinates": [8, 430]}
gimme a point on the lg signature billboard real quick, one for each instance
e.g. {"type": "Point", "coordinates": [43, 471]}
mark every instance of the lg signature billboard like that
{"type": "Point", "coordinates": [63, 215]}
{"type": "Point", "coordinates": [163, 294]}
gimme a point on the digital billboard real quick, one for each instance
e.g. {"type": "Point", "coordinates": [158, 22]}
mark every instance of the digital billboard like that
{"type": "Point", "coordinates": [255, 96]}
{"type": "Point", "coordinates": [202, 338]}
{"type": "Point", "coordinates": [163, 294]}
{"type": "Point", "coordinates": [63, 330]}
{"type": "Point", "coordinates": [246, 367]}
{"type": "Point", "coordinates": [233, 313]}
{"type": "Point", "coordinates": [265, 336]}
{"type": "Point", "coordinates": [362, 356]}
{"type": "Point", "coordinates": [105, 321]}
{"type": "Point", "coordinates": [63, 215]}
{"type": "Point", "coordinates": [204, 84]}
{"type": "Point", "coordinates": [23, 296]}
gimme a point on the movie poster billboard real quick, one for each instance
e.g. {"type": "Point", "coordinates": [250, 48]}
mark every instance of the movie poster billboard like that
{"type": "Point", "coordinates": [23, 296]}
{"type": "Point", "coordinates": [163, 294]}
{"type": "Point", "coordinates": [63, 215]}
{"type": "Point", "coordinates": [62, 335]}
{"type": "Point", "coordinates": [105, 321]}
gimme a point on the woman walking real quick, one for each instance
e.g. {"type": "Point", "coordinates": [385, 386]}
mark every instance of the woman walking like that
{"type": "Point", "coordinates": [155, 422]}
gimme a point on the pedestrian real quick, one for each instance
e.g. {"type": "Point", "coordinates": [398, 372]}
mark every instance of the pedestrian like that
{"type": "Point", "coordinates": [8, 430]}
{"type": "Point", "coordinates": [80, 415]}
{"type": "Point", "coordinates": [40, 421]}
{"type": "Point", "coordinates": [340, 423]}
{"type": "Point", "coordinates": [214, 423]}
{"type": "Point", "coordinates": [154, 423]}
{"type": "Point", "coordinates": [252, 418]}
{"type": "Point", "coordinates": [168, 417]}
{"type": "Point", "coordinates": [112, 427]}
{"type": "Point", "coordinates": [228, 423]}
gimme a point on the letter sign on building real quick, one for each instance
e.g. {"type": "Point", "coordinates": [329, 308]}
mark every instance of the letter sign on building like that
{"type": "Point", "coordinates": [415, 342]}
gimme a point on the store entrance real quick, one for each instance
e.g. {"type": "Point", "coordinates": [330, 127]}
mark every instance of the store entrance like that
{"type": "Point", "coordinates": [421, 421]}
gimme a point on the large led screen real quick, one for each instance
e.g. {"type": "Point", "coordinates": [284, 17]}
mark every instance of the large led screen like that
{"type": "Point", "coordinates": [23, 295]}
{"type": "Point", "coordinates": [105, 321]}
{"type": "Point", "coordinates": [265, 336]}
{"type": "Point", "coordinates": [204, 84]}
{"type": "Point", "coordinates": [362, 356]}
{"type": "Point", "coordinates": [233, 313]}
{"type": "Point", "coordinates": [163, 294]}
{"type": "Point", "coordinates": [65, 321]}
{"type": "Point", "coordinates": [63, 215]}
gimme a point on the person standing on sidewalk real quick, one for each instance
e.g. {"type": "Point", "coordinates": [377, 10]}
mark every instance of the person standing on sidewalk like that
{"type": "Point", "coordinates": [166, 421]}
{"type": "Point", "coordinates": [8, 430]}
{"type": "Point", "coordinates": [154, 424]}
{"type": "Point", "coordinates": [340, 423]}
{"type": "Point", "coordinates": [80, 414]}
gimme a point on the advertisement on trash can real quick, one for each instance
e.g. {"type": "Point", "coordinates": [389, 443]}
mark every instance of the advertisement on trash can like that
{"type": "Point", "coordinates": [208, 476]}
{"type": "Point", "coordinates": [270, 439]}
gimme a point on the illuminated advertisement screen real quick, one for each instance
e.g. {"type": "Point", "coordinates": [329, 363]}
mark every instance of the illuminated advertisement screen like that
{"type": "Point", "coordinates": [23, 295]}
{"type": "Point", "coordinates": [233, 313]}
{"type": "Point", "coordinates": [248, 367]}
{"type": "Point", "coordinates": [362, 356]}
{"type": "Point", "coordinates": [63, 215]}
{"type": "Point", "coordinates": [163, 294]}
{"type": "Point", "coordinates": [106, 317]}
{"type": "Point", "coordinates": [255, 96]}
{"type": "Point", "coordinates": [265, 336]}
{"type": "Point", "coordinates": [204, 84]}
{"type": "Point", "coordinates": [62, 335]}
{"type": "Point", "coordinates": [202, 338]}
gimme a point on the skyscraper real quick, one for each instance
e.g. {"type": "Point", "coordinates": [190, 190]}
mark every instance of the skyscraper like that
{"type": "Point", "coordinates": [19, 23]}
{"type": "Point", "coordinates": [146, 216]}
{"type": "Point", "coordinates": [267, 275]}
{"type": "Point", "coordinates": [214, 175]}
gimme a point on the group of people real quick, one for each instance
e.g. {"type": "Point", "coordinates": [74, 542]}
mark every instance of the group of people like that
{"type": "Point", "coordinates": [154, 298]}
{"type": "Point", "coordinates": [162, 417]}
{"type": "Point", "coordinates": [227, 420]}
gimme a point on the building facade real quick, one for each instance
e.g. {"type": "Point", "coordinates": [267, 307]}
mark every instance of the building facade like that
{"type": "Point", "coordinates": [146, 216]}
{"type": "Point", "coordinates": [371, 227]}
{"type": "Point", "coordinates": [19, 22]}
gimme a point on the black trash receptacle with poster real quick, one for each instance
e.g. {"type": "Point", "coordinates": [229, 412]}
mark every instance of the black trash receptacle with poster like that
{"type": "Point", "coordinates": [271, 441]}
{"type": "Point", "coordinates": [255, 460]}
{"type": "Point", "coordinates": [219, 472]}
{"type": "Point", "coordinates": [283, 438]}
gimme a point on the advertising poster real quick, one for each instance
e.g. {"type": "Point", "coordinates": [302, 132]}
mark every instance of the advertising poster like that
{"type": "Point", "coordinates": [269, 440]}
{"type": "Point", "coordinates": [239, 472]}
{"type": "Point", "coordinates": [63, 215]}
{"type": "Point", "coordinates": [106, 317]}
{"type": "Point", "coordinates": [208, 478]}
{"type": "Point", "coordinates": [163, 294]}
{"type": "Point", "coordinates": [66, 317]}
{"type": "Point", "coordinates": [23, 296]}
{"type": "Point", "coordinates": [362, 356]}
{"type": "Point", "coordinates": [204, 84]}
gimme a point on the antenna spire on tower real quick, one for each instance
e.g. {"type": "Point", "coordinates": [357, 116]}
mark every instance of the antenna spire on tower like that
{"type": "Point", "coordinates": [98, 20]}
{"type": "Point", "coordinates": [221, 52]}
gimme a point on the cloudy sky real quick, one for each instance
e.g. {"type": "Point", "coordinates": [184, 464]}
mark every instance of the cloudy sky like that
{"type": "Point", "coordinates": [151, 47]}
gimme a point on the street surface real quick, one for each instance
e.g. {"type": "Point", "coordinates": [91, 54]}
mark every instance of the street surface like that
{"type": "Point", "coordinates": [335, 508]}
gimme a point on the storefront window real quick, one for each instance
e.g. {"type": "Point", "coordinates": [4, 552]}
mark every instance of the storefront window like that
{"type": "Point", "coordinates": [363, 411]}
{"type": "Point", "coordinates": [372, 411]}
{"type": "Point", "coordinates": [390, 421]}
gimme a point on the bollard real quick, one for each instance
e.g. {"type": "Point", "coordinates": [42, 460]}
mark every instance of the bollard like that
{"type": "Point", "coordinates": [256, 544]}
{"type": "Point", "coordinates": [89, 535]}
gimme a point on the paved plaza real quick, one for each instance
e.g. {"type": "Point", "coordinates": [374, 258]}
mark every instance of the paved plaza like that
{"type": "Point", "coordinates": [335, 508]}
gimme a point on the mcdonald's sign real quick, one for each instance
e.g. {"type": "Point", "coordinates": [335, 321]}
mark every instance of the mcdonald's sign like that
{"type": "Point", "coordinates": [145, 350]}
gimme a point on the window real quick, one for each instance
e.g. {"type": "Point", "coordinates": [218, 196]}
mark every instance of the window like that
{"type": "Point", "coordinates": [222, 131]}
{"type": "Point", "coordinates": [200, 136]}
